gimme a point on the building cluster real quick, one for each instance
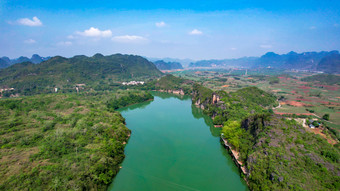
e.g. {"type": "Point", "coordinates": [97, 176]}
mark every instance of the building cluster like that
{"type": "Point", "coordinates": [133, 83]}
{"type": "Point", "coordinates": [5, 89]}
{"type": "Point", "coordinates": [313, 123]}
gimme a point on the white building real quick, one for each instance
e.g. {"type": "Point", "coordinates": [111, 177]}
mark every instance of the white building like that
{"type": "Point", "coordinates": [133, 83]}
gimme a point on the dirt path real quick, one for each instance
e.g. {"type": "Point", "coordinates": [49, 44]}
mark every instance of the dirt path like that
{"type": "Point", "coordinates": [317, 131]}
{"type": "Point", "coordinates": [278, 105]}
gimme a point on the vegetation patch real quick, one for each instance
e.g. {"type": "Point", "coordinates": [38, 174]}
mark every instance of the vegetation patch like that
{"type": "Point", "coordinates": [327, 79]}
{"type": "Point", "coordinates": [62, 141]}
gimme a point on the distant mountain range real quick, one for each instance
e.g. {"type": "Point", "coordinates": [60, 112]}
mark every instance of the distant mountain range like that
{"type": "Point", "coordinates": [61, 72]}
{"type": "Point", "coordinates": [184, 62]}
{"type": "Point", "coordinates": [35, 59]}
{"type": "Point", "coordinates": [328, 62]}
{"type": "Point", "coordinates": [161, 65]}
{"type": "Point", "coordinates": [225, 63]}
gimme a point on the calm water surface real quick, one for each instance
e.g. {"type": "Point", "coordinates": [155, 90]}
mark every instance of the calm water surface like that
{"type": "Point", "coordinates": [173, 146]}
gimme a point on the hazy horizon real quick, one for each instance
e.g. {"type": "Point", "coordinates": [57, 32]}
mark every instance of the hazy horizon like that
{"type": "Point", "coordinates": [153, 58]}
{"type": "Point", "coordinates": [183, 30]}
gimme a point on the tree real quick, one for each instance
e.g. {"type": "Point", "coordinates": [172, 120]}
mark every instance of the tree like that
{"type": "Point", "coordinates": [274, 80]}
{"type": "Point", "coordinates": [218, 120]}
{"type": "Point", "coordinates": [232, 132]}
{"type": "Point", "coordinates": [325, 117]}
{"type": "Point", "coordinates": [315, 123]}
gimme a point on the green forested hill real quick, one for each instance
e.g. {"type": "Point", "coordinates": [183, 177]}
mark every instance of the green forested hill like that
{"type": "Point", "coordinates": [170, 82]}
{"type": "Point", "coordinates": [62, 141]}
{"type": "Point", "coordinates": [281, 155]}
{"type": "Point", "coordinates": [60, 72]}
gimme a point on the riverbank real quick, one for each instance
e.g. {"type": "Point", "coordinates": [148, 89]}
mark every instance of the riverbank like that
{"type": "Point", "coordinates": [235, 155]}
{"type": "Point", "coordinates": [162, 153]}
{"type": "Point", "coordinates": [232, 152]}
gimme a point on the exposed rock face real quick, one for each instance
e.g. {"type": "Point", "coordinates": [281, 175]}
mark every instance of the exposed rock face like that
{"type": "Point", "coordinates": [199, 104]}
{"type": "Point", "coordinates": [179, 92]}
{"type": "Point", "coordinates": [214, 99]}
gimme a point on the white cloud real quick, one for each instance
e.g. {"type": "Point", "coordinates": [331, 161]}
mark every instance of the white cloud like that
{"type": "Point", "coordinates": [64, 43]}
{"type": "Point", "coordinates": [195, 32]}
{"type": "Point", "coordinates": [160, 24]}
{"type": "Point", "coordinates": [70, 37]}
{"type": "Point", "coordinates": [30, 41]}
{"type": "Point", "coordinates": [312, 27]}
{"type": "Point", "coordinates": [266, 46]}
{"type": "Point", "coordinates": [95, 32]}
{"type": "Point", "coordinates": [28, 22]}
{"type": "Point", "coordinates": [129, 38]}
{"type": "Point", "coordinates": [233, 48]}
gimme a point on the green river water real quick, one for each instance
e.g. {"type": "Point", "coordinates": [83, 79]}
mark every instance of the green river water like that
{"type": "Point", "coordinates": [174, 146]}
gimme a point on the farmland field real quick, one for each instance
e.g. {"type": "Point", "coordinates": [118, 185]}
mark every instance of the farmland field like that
{"type": "Point", "coordinates": [305, 99]}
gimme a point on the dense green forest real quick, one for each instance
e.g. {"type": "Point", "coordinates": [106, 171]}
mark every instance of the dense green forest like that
{"type": "Point", "coordinates": [279, 154]}
{"type": "Point", "coordinates": [328, 79]}
{"type": "Point", "coordinates": [97, 72]}
{"type": "Point", "coordinates": [62, 141]}
{"type": "Point", "coordinates": [129, 99]}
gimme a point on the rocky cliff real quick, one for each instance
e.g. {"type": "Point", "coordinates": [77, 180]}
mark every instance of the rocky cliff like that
{"type": "Point", "coordinates": [208, 100]}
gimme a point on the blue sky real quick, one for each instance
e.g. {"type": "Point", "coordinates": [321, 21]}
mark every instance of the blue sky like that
{"type": "Point", "coordinates": [197, 29]}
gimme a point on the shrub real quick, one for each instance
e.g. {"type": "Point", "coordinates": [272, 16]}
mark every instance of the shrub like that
{"type": "Point", "coordinates": [325, 117]}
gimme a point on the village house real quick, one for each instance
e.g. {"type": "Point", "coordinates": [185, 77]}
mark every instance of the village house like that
{"type": "Point", "coordinates": [133, 83]}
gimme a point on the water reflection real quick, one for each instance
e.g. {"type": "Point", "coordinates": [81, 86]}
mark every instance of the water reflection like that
{"type": "Point", "coordinates": [135, 106]}
{"type": "Point", "coordinates": [230, 161]}
{"type": "Point", "coordinates": [164, 95]}
{"type": "Point", "coordinates": [198, 113]}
